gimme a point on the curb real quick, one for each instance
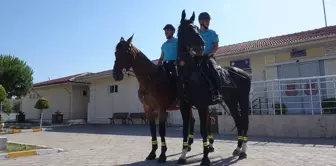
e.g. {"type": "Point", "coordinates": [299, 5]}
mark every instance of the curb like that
{"type": "Point", "coordinates": [48, 128]}
{"type": "Point", "coordinates": [16, 131]}
{"type": "Point", "coordinates": [10, 155]}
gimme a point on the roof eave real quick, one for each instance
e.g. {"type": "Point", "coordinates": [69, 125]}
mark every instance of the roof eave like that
{"type": "Point", "coordinates": [277, 48]}
{"type": "Point", "coordinates": [60, 83]}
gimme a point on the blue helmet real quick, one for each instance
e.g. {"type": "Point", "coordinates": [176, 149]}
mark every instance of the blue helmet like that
{"type": "Point", "coordinates": [169, 26]}
{"type": "Point", "coordinates": [204, 16]}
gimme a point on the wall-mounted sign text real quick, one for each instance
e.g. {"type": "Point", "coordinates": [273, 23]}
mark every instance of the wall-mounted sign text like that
{"type": "Point", "coordinates": [298, 53]}
{"type": "Point", "coordinates": [242, 64]}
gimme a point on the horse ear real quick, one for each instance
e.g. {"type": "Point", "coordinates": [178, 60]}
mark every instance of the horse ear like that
{"type": "Point", "coordinates": [129, 40]}
{"type": "Point", "coordinates": [183, 15]}
{"type": "Point", "coordinates": [122, 39]}
{"type": "Point", "coordinates": [192, 18]}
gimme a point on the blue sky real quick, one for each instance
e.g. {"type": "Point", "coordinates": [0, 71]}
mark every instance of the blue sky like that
{"type": "Point", "coordinates": [61, 37]}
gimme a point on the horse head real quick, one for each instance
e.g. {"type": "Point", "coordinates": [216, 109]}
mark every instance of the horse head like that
{"type": "Point", "coordinates": [124, 57]}
{"type": "Point", "coordinates": [189, 38]}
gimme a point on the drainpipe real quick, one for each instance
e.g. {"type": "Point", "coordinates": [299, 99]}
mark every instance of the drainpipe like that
{"type": "Point", "coordinates": [70, 103]}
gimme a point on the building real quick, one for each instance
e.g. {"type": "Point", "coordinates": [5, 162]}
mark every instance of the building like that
{"type": "Point", "coordinates": [66, 95]}
{"type": "Point", "coordinates": [303, 54]}
{"type": "Point", "coordinates": [299, 55]}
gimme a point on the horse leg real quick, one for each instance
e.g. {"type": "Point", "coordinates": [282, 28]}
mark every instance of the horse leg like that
{"type": "Point", "coordinates": [185, 111]}
{"type": "Point", "coordinates": [191, 131]}
{"type": "Point", "coordinates": [204, 117]}
{"type": "Point", "coordinates": [162, 132]}
{"type": "Point", "coordinates": [232, 104]}
{"type": "Point", "coordinates": [152, 126]}
{"type": "Point", "coordinates": [210, 137]}
{"type": "Point", "coordinates": [244, 103]}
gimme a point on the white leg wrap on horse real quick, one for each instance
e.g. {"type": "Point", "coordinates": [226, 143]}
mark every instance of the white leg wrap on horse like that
{"type": "Point", "coordinates": [184, 153]}
{"type": "Point", "coordinates": [244, 147]}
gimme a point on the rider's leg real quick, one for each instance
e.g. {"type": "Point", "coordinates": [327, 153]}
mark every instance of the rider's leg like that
{"type": "Point", "coordinates": [215, 78]}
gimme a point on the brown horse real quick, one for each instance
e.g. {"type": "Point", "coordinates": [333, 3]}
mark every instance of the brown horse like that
{"type": "Point", "coordinates": [156, 91]}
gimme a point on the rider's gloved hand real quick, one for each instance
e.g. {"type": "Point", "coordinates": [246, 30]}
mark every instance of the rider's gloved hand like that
{"type": "Point", "coordinates": [160, 62]}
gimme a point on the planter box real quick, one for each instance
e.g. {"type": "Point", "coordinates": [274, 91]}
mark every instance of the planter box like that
{"type": "Point", "coordinates": [57, 118]}
{"type": "Point", "coordinates": [21, 118]}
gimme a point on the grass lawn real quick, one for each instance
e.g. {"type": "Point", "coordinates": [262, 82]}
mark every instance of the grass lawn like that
{"type": "Point", "coordinates": [13, 147]}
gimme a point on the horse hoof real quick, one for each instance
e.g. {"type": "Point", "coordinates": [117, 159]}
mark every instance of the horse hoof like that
{"type": "Point", "coordinates": [182, 161]}
{"type": "Point", "coordinates": [189, 149]}
{"type": "Point", "coordinates": [205, 161]}
{"type": "Point", "coordinates": [162, 158]}
{"type": "Point", "coordinates": [236, 152]}
{"type": "Point", "coordinates": [151, 156]}
{"type": "Point", "coordinates": [242, 155]}
{"type": "Point", "coordinates": [211, 149]}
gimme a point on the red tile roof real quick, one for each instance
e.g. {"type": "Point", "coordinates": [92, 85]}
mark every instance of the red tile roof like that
{"type": "Point", "coordinates": [278, 41]}
{"type": "Point", "coordinates": [60, 80]}
{"type": "Point", "coordinates": [104, 73]}
{"type": "Point", "coordinates": [249, 46]}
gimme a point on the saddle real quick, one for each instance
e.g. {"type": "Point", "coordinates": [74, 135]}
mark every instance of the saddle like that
{"type": "Point", "coordinates": [225, 78]}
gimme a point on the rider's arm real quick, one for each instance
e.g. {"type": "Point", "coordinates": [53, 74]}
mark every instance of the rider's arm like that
{"type": "Point", "coordinates": [161, 58]}
{"type": "Point", "coordinates": [162, 55]}
{"type": "Point", "coordinates": [215, 41]}
{"type": "Point", "coordinates": [214, 48]}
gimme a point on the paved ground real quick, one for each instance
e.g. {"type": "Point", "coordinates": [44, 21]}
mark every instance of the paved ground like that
{"type": "Point", "coordinates": [105, 145]}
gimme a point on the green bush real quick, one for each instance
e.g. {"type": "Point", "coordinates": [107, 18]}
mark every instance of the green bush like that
{"type": "Point", "coordinates": [7, 106]}
{"type": "Point", "coordinates": [329, 105]}
{"type": "Point", "coordinates": [2, 93]}
{"type": "Point", "coordinates": [280, 107]}
{"type": "Point", "coordinates": [42, 104]}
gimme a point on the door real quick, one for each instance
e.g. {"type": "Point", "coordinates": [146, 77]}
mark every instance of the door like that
{"type": "Point", "coordinates": [296, 94]}
{"type": "Point", "coordinates": [310, 93]}
{"type": "Point", "coordinates": [290, 89]}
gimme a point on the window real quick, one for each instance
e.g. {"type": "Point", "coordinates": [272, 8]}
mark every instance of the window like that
{"type": "Point", "coordinates": [84, 93]}
{"type": "Point", "coordinates": [113, 88]}
{"type": "Point", "coordinates": [33, 96]}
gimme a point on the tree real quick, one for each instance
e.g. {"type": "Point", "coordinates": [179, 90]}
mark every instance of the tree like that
{"type": "Point", "coordinates": [2, 97]}
{"type": "Point", "coordinates": [15, 76]}
{"type": "Point", "coordinates": [7, 106]}
{"type": "Point", "coordinates": [2, 93]}
{"type": "Point", "coordinates": [41, 105]}
{"type": "Point", "coordinates": [16, 107]}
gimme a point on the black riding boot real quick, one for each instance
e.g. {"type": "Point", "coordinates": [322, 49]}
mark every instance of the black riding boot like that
{"type": "Point", "coordinates": [216, 83]}
{"type": "Point", "coordinates": [216, 96]}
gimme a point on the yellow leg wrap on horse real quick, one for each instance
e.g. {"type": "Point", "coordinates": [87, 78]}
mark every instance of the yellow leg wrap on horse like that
{"type": "Point", "coordinates": [154, 142]}
{"type": "Point", "coordinates": [190, 136]}
{"type": "Point", "coordinates": [205, 143]}
{"type": "Point", "coordinates": [185, 144]}
{"type": "Point", "coordinates": [163, 144]}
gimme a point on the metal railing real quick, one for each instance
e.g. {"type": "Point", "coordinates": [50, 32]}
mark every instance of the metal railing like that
{"type": "Point", "coordinates": [306, 95]}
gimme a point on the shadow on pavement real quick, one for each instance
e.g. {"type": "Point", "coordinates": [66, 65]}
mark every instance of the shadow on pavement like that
{"type": "Point", "coordinates": [190, 161]}
{"type": "Point", "coordinates": [176, 132]}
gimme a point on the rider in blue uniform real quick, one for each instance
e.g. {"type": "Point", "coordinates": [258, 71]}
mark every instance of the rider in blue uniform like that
{"type": "Point", "coordinates": [169, 50]}
{"type": "Point", "coordinates": [211, 40]}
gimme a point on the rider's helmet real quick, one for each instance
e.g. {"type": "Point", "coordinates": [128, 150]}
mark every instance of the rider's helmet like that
{"type": "Point", "coordinates": [169, 26]}
{"type": "Point", "coordinates": [204, 16]}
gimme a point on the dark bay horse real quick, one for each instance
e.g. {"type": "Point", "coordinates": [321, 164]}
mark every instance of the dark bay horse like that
{"type": "Point", "coordinates": [195, 88]}
{"type": "Point", "coordinates": [156, 92]}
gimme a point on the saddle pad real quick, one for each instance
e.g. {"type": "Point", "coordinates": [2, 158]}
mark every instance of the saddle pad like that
{"type": "Point", "coordinates": [226, 79]}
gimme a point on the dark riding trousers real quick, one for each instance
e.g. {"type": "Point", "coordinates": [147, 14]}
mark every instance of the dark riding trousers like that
{"type": "Point", "coordinates": [169, 67]}
{"type": "Point", "coordinates": [212, 72]}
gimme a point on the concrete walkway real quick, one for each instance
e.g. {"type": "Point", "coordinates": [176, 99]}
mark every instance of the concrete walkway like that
{"type": "Point", "coordinates": [105, 145]}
